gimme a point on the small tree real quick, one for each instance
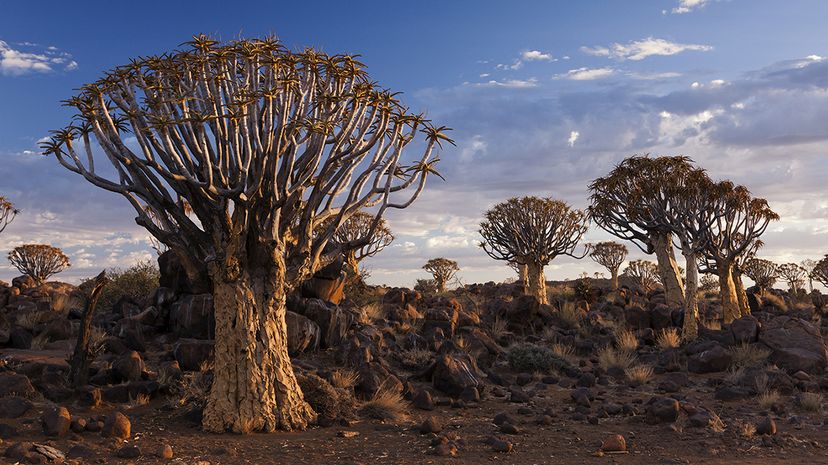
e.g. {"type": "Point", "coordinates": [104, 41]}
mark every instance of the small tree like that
{"type": "Point", "coordinates": [533, 231]}
{"type": "Point", "coordinates": [644, 273]}
{"type": "Point", "coordinates": [809, 266]}
{"type": "Point", "coordinates": [820, 271]}
{"type": "Point", "coordinates": [39, 261]}
{"type": "Point", "coordinates": [443, 270]}
{"type": "Point", "coordinates": [793, 274]}
{"type": "Point", "coordinates": [763, 272]}
{"type": "Point", "coordinates": [351, 237]}
{"type": "Point", "coordinates": [610, 255]}
{"type": "Point", "coordinates": [7, 213]}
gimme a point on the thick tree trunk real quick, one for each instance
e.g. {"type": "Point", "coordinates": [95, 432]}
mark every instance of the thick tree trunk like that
{"type": "Point", "coordinates": [254, 387]}
{"type": "Point", "coordinates": [441, 284]}
{"type": "Point", "coordinates": [727, 291]}
{"type": "Point", "coordinates": [352, 267]}
{"type": "Point", "coordinates": [523, 276]}
{"type": "Point", "coordinates": [690, 330]}
{"type": "Point", "coordinates": [536, 282]}
{"type": "Point", "coordinates": [668, 269]}
{"type": "Point", "coordinates": [744, 307]}
{"type": "Point", "coordinates": [614, 279]}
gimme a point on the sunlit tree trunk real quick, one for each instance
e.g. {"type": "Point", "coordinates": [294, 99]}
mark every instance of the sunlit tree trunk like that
{"type": "Point", "coordinates": [668, 269]}
{"type": "Point", "coordinates": [523, 276]}
{"type": "Point", "coordinates": [536, 282]}
{"type": "Point", "coordinates": [741, 295]}
{"type": "Point", "coordinates": [728, 293]}
{"type": "Point", "coordinates": [690, 330]}
{"type": "Point", "coordinates": [614, 279]}
{"type": "Point", "coordinates": [254, 387]}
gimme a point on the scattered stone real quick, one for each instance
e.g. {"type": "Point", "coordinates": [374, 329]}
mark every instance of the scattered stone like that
{"type": "Point", "coordinates": [431, 425]}
{"type": "Point", "coordinates": [500, 445]}
{"type": "Point", "coordinates": [446, 450]}
{"type": "Point", "coordinates": [508, 428]}
{"type": "Point", "coordinates": [13, 384]}
{"type": "Point", "coordinates": [78, 425]}
{"type": "Point", "coordinates": [56, 421]}
{"type": "Point", "coordinates": [14, 407]}
{"type": "Point", "coordinates": [713, 360]}
{"type": "Point", "coordinates": [129, 451]}
{"type": "Point", "coordinates": [423, 400]}
{"type": "Point", "coordinates": [614, 443]}
{"type": "Point", "coordinates": [166, 452]}
{"type": "Point", "coordinates": [117, 426]}
{"type": "Point", "coordinates": [347, 434]}
{"type": "Point", "coordinates": [662, 410]}
{"type": "Point", "coordinates": [767, 426]}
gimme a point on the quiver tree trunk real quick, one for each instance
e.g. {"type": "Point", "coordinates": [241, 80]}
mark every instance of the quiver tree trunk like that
{"type": "Point", "coordinates": [614, 279]}
{"type": "Point", "coordinates": [727, 291]}
{"type": "Point", "coordinates": [523, 276]}
{"type": "Point", "coordinates": [80, 361]}
{"type": "Point", "coordinates": [254, 387]}
{"type": "Point", "coordinates": [741, 295]}
{"type": "Point", "coordinates": [352, 267]}
{"type": "Point", "coordinates": [536, 282]}
{"type": "Point", "coordinates": [690, 329]}
{"type": "Point", "coordinates": [668, 269]}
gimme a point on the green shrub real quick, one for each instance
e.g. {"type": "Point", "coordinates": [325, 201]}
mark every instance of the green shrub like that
{"type": "Point", "coordinates": [426, 286]}
{"type": "Point", "coordinates": [532, 358]}
{"type": "Point", "coordinates": [135, 282]}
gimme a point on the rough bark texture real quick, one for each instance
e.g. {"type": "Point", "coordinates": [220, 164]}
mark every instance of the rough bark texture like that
{"type": "Point", "coordinates": [254, 387]}
{"type": "Point", "coordinates": [668, 269]}
{"type": "Point", "coordinates": [352, 266]}
{"type": "Point", "coordinates": [536, 282]}
{"type": "Point", "coordinates": [690, 330]}
{"type": "Point", "coordinates": [727, 291]}
{"type": "Point", "coordinates": [614, 279]}
{"type": "Point", "coordinates": [741, 295]}
{"type": "Point", "coordinates": [523, 276]}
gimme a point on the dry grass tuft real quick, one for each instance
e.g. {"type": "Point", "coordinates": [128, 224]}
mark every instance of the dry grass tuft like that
{"type": "Point", "coordinates": [499, 328]}
{"type": "Point", "coordinates": [565, 352]}
{"type": "Point", "coordinates": [768, 399]}
{"type": "Point", "coordinates": [668, 338]}
{"type": "Point", "coordinates": [776, 301]}
{"type": "Point", "coordinates": [39, 342]}
{"type": "Point", "coordinates": [387, 404]}
{"type": "Point", "coordinates": [716, 424]}
{"type": "Point", "coordinates": [626, 340]}
{"type": "Point", "coordinates": [749, 355]}
{"type": "Point", "coordinates": [344, 379]}
{"type": "Point", "coordinates": [140, 400]}
{"type": "Point", "coordinates": [746, 429]}
{"type": "Point", "coordinates": [811, 401]}
{"type": "Point", "coordinates": [735, 375]}
{"type": "Point", "coordinates": [570, 315]}
{"type": "Point", "coordinates": [370, 313]}
{"type": "Point", "coordinates": [641, 374]}
{"type": "Point", "coordinates": [610, 357]}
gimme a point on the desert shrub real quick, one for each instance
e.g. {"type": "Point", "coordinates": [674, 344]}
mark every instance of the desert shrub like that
{"type": "Point", "coordinates": [749, 355]}
{"type": "Point", "coordinates": [610, 357]}
{"type": "Point", "coordinates": [564, 352]}
{"type": "Point", "coordinates": [570, 315]}
{"type": "Point", "coordinates": [387, 404]}
{"type": "Point", "coordinates": [641, 374]}
{"type": "Point", "coordinates": [561, 292]}
{"type": "Point", "coordinates": [709, 283]}
{"type": "Point", "coordinates": [329, 402]}
{"type": "Point", "coordinates": [746, 429]}
{"type": "Point", "coordinates": [735, 375]}
{"type": "Point", "coordinates": [626, 340]}
{"type": "Point", "coordinates": [135, 283]}
{"type": "Point", "coordinates": [531, 358]}
{"type": "Point", "coordinates": [775, 301]}
{"type": "Point", "coordinates": [768, 399]}
{"type": "Point", "coordinates": [191, 390]}
{"type": "Point", "coordinates": [426, 286]}
{"type": "Point", "coordinates": [668, 338]}
{"type": "Point", "coordinates": [499, 327]}
{"type": "Point", "coordinates": [344, 379]}
{"type": "Point", "coordinates": [583, 289]}
{"type": "Point", "coordinates": [810, 401]}
{"type": "Point", "coordinates": [370, 313]}
{"type": "Point", "coordinates": [415, 359]}
{"type": "Point", "coordinates": [716, 424]}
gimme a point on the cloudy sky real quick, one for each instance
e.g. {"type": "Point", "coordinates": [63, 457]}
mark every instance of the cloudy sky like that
{"type": "Point", "coordinates": [543, 97]}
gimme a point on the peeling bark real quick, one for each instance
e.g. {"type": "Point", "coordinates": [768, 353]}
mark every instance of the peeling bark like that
{"type": "Point", "coordinates": [668, 269]}
{"type": "Point", "coordinates": [536, 281]}
{"type": "Point", "coordinates": [690, 329]}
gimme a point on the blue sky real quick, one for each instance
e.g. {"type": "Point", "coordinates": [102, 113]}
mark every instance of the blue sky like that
{"type": "Point", "coordinates": [544, 96]}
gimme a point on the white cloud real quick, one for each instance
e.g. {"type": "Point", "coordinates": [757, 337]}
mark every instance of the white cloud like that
{"type": "Point", "coordinates": [532, 55]}
{"type": "Point", "coordinates": [686, 6]}
{"type": "Point", "coordinates": [517, 64]}
{"type": "Point", "coordinates": [573, 137]}
{"type": "Point", "coordinates": [587, 74]}
{"type": "Point", "coordinates": [475, 146]}
{"type": "Point", "coordinates": [14, 62]}
{"type": "Point", "coordinates": [510, 83]}
{"type": "Point", "coordinates": [654, 76]}
{"type": "Point", "coordinates": [640, 49]}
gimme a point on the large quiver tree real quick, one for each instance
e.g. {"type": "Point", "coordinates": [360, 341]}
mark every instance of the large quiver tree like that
{"type": "Point", "coordinates": [261, 145]}
{"type": "Point", "coordinates": [610, 255]}
{"type": "Point", "coordinates": [613, 207]}
{"type": "Point", "coordinates": [532, 231]}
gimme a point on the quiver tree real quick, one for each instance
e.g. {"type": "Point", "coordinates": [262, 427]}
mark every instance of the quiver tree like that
{"type": "Point", "coordinates": [7, 213]}
{"type": "Point", "coordinates": [809, 266]}
{"type": "Point", "coordinates": [610, 255]}
{"type": "Point", "coordinates": [793, 274]}
{"type": "Point", "coordinates": [613, 207]}
{"type": "Point", "coordinates": [520, 270]}
{"type": "Point", "coordinates": [39, 261]}
{"type": "Point", "coordinates": [532, 231]}
{"type": "Point", "coordinates": [764, 273]}
{"type": "Point", "coordinates": [820, 272]}
{"type": "Point", "coordinates": [443, 270]}
{"type": "Point", "coordinates": [739, 222]}
{"type": "Point", "coordinates": [359, 229]}
{"type": "Point", "coordinates": [644, 273]}
{"type": "Point", "coordinates": [261, 144]}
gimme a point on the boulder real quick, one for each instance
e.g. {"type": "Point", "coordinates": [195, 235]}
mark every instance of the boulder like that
{"type": "Point", "coordinates": [192, 316]}
{"type": "Point", "coordinates": [334, 322]}
{"type": "Point", "coordinates": [443, 318]}
{"type": "Point", "coordinates": [129, 367]}
{"type": "Point", "coordinates": [13, 384]}
{"type": "Point", "coordinates": [662, 410]}
{"type": "Point", "coordinates": [661, 317]}
{"type": "Point", "coordinates": [175, 276]}
{"type": "Point", "coordinates": [637, 317]}
{"type": "Point", "coordinates": [327, 284]}
{"type": "Point", "coordinates": [56, 421]}
{"type": "Point", "coordinates": [116, 425]}
{"type": "Point", "coordinates": [191, 353]}
{"type": "Point", "coordinates": [303, 334]}
{"type": "Point", "coordinates": [796, 344]}
{"type": "Point", "coordinates": [14, 407]}
{"type": "Point", "coordinates": [453, 372]}
{"type": "Point", "coordinates": [745, 330]}
{"type": "Point", "coordinates": [712, 360]}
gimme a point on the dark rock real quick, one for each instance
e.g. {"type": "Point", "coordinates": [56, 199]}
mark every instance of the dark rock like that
{"type": "Point", "coordinates": [502, 418]}
{"type": "Point", "coordinates": [637, 317]}
{"type": "Point", "coordinates": [508, 428]}
{"type": "Point", "coordinates": [192, 316]}
{"type": "Point", "coordinates": [730, 394]}
{"type": "Point", "coordinates": [713, 360]}
{"type": "Point", "coordinates": [56, 421]}
{"type": "Point", "coordinates": [453, 373]}
{"type": "Point", "coordinates": [796, 344]}
{"type": "Point", "coordinates": [130, 451]}
{"type": "Point", "coordinates": [7, 431]}
{"type": "Point", "coordinates": [303, 334]}
{"type": "Point", "coordinates": [175, 276]}
{"type": "Point", "coordinates": [20, 338]}
{"type": "Point", "coordinates": [745, 330]}
{"type": "Point", "coordinates": [89, 396]}
{"type": "Point", "coordinates": [582, 396]}
{"type": "Point", "coordinates": [519, 396]}
{"type": "Point", "coordinates": [191, 353]}
{"type": "Point", "coordinates": [423, 400]}
{"type": "Point", "coordinates": [334, 322]}
{"type": "Point", "coordinates": [129, 367]}
{"type": "Point", "coordinates": [766, 426]}
{"type": "Point", "coordinates": [327, 284]}
{"type": "Point", "coordinates": [662, 410]}
{"type": "Point", "coordinates": [14, 407]}
{"type": "Point", "coordinates": [116, 425]}
{"type": "Point", "coordinates": [430, 425]}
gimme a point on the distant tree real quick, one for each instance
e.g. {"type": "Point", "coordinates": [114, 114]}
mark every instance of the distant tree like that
{"type": "Point", "coordinates": [520, 270]}
{"type": "Point", "coordinates": [351, 237]}
{"type": "Point", "coordinates": [763, 272]}
{"type": "Point", "coordinates": [820, 271]}
{"type": "Point", "coordinates": [614, 207]}
{"type": "Point", "coordinates": [260, 144]}
{"type": "Point", "coordinates": [644, 273]}
{"type": "Point", "coordinates": [809, 266]}
{"type": "Point", "coordinates": [708, 283]}
{"type": "Point", "coordinates": [443, 270]}
{"type": "Point", "coordinates": [532, 231]}
{"type": "Point", "coordinates": [39, 261]}
{"type": "Point", "coordinates": [426, 286]}
{"type": "Point", "coordinates": [7, 213]}
{"type": "Point", "coordinates": [793, 274]}
{"type": "Point", "coordinates": [610, 255]}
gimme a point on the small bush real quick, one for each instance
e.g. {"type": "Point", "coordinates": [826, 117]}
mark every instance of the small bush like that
{"type": "Point", "coordinates": [426, 286]}
{"type": "Point", "coordinates": [370, 313]}
{"type": "Point", "coordinates": [610, 357]}
{"type": "Point", "coordinates": [530, 358]}
{"type": "Point", "coordinates": [564, 352]}
{"type": "Point", "coordinates": [626, 340]}
{"type": "Point", "coordinates": [387, 404]}
{"type": "Point", "coordinates": [499, 327]}
{"type": "Point", "coordinates": [344, 379]}
{"type": "Point", "coordinates": [668, 338]}
{"type": "Point", "coordinates": [775, 301]}
{"type": "Point", "coordinates": [749, 355]}
{"type": "Point", "coordinates": [135, 283]}
{"type": "Point", "coordinates": [769, 399]}
{"type": "Point", "coordinates": [330, 403]}
{"type": "Point", "coordinates": [811, 401]}
{"type": "Point", "coordinates": [746, 429]}
{"type": "Point", "coordinates": [416, 359]}
{"type": "Point", "coordinates": [570, 315]}
{"type": "Point", "coordinates": [641, 374]}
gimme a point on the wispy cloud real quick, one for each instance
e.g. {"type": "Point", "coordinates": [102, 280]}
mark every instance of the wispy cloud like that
{"type": "Point", "coordinates": [511, 83]}
{"type": "Point", "coordinates": [536, 55]}
{"type": "Point", "coordinates": [640, 49]}
{"type": "Point", "coordinates": [17, 61]}
{"type": "Point", "coordinates": [573, 137]}
{"type": "Point", "coordinates": [687, 6]}
{"type": "Point", "coordinates": [586, 74]}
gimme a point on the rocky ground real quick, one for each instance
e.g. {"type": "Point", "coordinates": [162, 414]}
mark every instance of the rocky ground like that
{"type": "Point", "coordinates": [480, 374]}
